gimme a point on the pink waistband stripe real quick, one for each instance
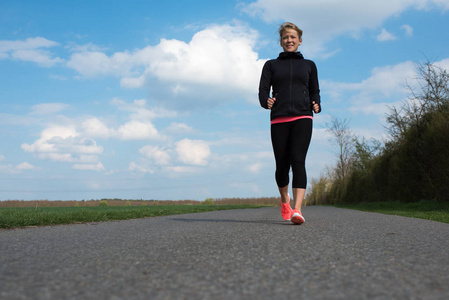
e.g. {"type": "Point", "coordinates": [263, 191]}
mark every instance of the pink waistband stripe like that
{"type": "Point", "coordinates": [289, 119]}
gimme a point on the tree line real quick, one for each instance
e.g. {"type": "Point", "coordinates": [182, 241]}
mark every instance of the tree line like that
{"type": "Point", "coordinates": [411, 165]}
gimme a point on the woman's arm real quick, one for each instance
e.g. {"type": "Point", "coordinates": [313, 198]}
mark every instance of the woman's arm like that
{"type": "Point", "coordinates": [265, 85]}
{"type": "Point", "coordinates": [314, 89]}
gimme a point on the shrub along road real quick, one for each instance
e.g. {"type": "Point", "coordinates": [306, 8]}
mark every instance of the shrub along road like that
{"type": "Point", "coordinates": [235, 254]}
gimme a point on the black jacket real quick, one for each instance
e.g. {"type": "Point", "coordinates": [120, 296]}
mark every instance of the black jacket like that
{"type": "Point", "coordinates": [295, 85]}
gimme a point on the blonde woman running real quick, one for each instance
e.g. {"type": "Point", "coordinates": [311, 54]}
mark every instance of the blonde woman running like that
{"type": "Point", "coordinates": [295, 97]}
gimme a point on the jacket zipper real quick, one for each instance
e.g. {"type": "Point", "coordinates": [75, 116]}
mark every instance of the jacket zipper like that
{"type": "Point", "coordinates": [291, 83]}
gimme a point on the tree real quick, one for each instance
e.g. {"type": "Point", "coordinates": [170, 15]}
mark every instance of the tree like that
{"type": "Point", "coordinates": [364, 153]}
{"type": "Point", "coordinates": [343, 138]}
{"type": "Point", "coordinates": [433, 95]}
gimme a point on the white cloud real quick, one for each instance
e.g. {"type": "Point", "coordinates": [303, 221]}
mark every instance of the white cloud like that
{"type": "Point", "coordinates": [370, 108]}
{"type": "Point", "coordinates": [140, 111]}
{"type": "Point", "coordinates": [68, 157]}
{"type": "Point", "coordinates": [217, 58]}
{"type": "Point", "coordinates": [137, 130]}
{"type": "Point", "coordinates": [40, 57]}
{"type": "Point", "coordinates": [158, 155]}
{"type": "Point", "coordinates": [189, 156]}
{"type": "Point", "coordinates": [11, 169]}
{"type": "Point", "coordinates": [443, 64]}
{"type": "Point", "coordinates": [179, 128]}
{"type": "Point", "coordinates": [30, 43]}
{"type": "Point", "coordinates": [93, 64]}
{"type": "Point", "coordinates": [193, 152]}
{"type": "Point", "coordinates": [30, 50]}
{"type": "Point", "coordinates": [62, 157]}
{"type": "Point", "coordinates": [74, 143]}
{"type": "Point", "coordinates": [325, 20]}
{"type": "Point", "coordinates": [408, 30]}
{"type": "Point", "coordinates": [369, 95]}
{"type": "Point", "coordinates": [133, 82]}
{"type": "Point", "coordinates": [255, 168]}
{"type": "Point", "coordinates": [45, 144]}
{"type": "Point", "coordinates": [387, 86]}
{"type": "Point", "coordinates": [93, 127]}
{"type": "Point", "coordinates": [384, 36]}
{"type": "Point", "coordinates": [388, 79]}
{"type": "Point", "coordinates": [89, 167]}
{"type": "Point", "coordinates": [84, 48]}
{"type": "Point", "coordinates": [172, 171]}
{"type": "Point", "coordinates": [25, 166]}
{"type": "Point", "coordinates": [140, 126]}
{"type": "Point", "coordinates": [48, 108]}
{"type": "Point", "coordinates": [64, 144]}
{"type": "Point", "coordinates": [133, 166]}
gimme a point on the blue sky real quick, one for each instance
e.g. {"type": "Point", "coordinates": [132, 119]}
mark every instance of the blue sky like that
{"type": "Point", "coordinates": [158, 99]}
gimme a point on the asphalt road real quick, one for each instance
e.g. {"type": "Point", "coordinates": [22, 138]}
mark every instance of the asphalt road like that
{"type": "Point", "coordinates": [236, 254]}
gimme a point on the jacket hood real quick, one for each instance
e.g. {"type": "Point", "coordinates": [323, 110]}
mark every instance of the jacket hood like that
{"type": "Point", "coordinates": [285, 55]}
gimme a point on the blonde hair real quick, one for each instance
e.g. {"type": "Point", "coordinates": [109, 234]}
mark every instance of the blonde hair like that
{"type": "Point", "coordinates": [288, 25]}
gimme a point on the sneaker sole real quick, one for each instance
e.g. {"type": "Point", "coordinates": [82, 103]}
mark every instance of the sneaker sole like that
{"type": "Point", "coordinates": [297, 219]}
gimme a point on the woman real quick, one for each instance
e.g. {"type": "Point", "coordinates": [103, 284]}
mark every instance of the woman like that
{"type": "Point", "coordinates": [296, 95]}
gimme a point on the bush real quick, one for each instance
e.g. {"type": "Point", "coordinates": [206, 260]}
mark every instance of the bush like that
{"type": "Point", "coordinates": [208, 201]}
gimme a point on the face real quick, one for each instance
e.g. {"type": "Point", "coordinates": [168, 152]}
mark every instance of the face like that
{"type": "Point", "coordinates": [290, 40]}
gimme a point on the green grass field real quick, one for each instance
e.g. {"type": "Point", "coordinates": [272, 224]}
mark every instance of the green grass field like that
{"type": "Point", "coordinates": [429, 210]}
{"type": "Point", "coordinates": [15, 217]}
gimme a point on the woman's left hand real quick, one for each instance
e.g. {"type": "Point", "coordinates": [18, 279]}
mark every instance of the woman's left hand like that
{"type": "Point", "coordinates": [315, 107]}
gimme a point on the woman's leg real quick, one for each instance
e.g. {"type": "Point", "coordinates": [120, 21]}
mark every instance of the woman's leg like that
{"type": "Point", "coordinates": [298, 195]}
{"type": "Point", "coordinates": [280, 139]}
{"type": "Point", "coordinates": [284, 194]}
{"type": "Point", "coordinates": [301, 135]}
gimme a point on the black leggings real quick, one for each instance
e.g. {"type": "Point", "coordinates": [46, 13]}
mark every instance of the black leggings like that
{"type": "Point", "coordinates": [290, 144]}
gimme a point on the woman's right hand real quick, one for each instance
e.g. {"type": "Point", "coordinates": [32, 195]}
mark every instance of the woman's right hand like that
{"type": "Point", "coordinates": [271, 102]}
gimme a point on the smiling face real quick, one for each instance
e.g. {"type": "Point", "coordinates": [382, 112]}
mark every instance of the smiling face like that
{"type": "Point", "coordinates": [290, 40]}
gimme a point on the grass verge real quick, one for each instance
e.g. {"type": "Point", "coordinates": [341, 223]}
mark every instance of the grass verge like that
{"type": "Point", "coordinates": [44, 216]}
{"type": "Point", "coordinates": [425, 209]}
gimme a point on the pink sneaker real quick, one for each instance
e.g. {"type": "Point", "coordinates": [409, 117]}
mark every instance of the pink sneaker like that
{"type": "Point", "coordinates": [297, 218]}
{"type": "Point", "coordinates": [286, 210]}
